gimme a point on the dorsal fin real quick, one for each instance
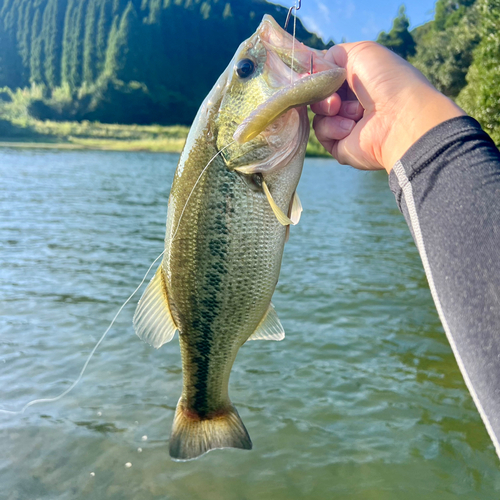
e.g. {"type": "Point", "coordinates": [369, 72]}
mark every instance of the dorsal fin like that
{"type": "Point", "coordinates": [153, 320]}
{"type": "Point", "coordinates": [270, 327]}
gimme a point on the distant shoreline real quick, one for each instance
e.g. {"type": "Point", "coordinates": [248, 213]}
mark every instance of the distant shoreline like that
{"type": "Point", "coordinates": [108, 145]}
{"type": "Point", "coordinates": [171, 146]}
{"type": "Point", "coordinates": [37, 145]}
{"type": "Point", "coordinates": [29, 133]}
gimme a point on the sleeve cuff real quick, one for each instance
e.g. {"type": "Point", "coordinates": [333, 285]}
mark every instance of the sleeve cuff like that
{"type": "Point", "coordinates": [432, 144]}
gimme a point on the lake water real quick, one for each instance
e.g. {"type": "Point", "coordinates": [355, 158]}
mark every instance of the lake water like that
{"type": "Point", "coordinates": [363, 400]}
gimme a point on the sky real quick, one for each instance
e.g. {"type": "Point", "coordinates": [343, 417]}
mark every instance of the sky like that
{"type": "Point", "coordinates": [356, 20]}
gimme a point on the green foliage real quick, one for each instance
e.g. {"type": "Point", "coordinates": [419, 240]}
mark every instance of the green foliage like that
{"type": "Point", "coordinates": [450, 12]}
{"type": "Point", "coordinates": [481, 97]}
{"type": "Point", "coordinates": [19, 127]}
{"type": "Point", "coordinates": [89, 52]}
{"type": "Point", "coordinates": [444, 55]}
{"type": "Point", "coordinates": [125, 60]}
{"type": "Point", "coordinates": [314, 147]}
{"type": "Point", "coordinates": [52, 41]}
{"type": "Point", "coordinates": [399, 39]}
{"type": "Point", "coordinates": [36, 56]}
{"type": "Point", "coordinates": [420, 33]}
{"type": "Point", "coordinates": [459, 52]}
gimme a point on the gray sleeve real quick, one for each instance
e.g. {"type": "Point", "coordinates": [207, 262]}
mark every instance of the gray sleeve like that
{"type": "Point", "coordinates": [447, 185]}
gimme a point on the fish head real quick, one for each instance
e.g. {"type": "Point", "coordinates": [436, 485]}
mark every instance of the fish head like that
{"type": "Point", "coordinates": [262, 118]}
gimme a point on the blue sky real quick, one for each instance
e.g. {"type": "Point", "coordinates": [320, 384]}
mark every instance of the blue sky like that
{"type": "Point", "coordinates": [357, 20]}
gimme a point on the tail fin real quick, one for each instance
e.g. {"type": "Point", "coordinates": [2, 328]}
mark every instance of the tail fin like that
{"type": "Point", "coordinates": [193, 436]}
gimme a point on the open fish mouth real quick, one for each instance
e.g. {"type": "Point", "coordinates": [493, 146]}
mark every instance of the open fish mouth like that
{"type": "Point", "coordinates": [301, 75]}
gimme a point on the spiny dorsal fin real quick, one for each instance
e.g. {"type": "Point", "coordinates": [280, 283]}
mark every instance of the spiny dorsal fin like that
{"type": "Point", "coordinates": [282, 218]}
{"type": "Point", "coordinates": [270, 327]}
{"type": "Point", "coordinates": [153, 321]}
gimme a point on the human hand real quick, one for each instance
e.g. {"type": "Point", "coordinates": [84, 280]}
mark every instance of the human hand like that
{"type": "Point", "coordinates": [384, 107]}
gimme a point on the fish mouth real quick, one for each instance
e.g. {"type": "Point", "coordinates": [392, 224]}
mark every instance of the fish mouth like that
{"type": "Point", "coordinates": [301, 75]}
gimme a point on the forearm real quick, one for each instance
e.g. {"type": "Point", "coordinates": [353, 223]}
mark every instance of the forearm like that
{"type": "Point", "coordinates": [448, 187]}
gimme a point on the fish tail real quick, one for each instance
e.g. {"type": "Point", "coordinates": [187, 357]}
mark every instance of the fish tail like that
{"type": "Point", "coordinates": [193, 435]}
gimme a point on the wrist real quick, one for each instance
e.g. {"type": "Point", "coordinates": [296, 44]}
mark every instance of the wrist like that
{"type": "Point", "coordinates": [424, 109]}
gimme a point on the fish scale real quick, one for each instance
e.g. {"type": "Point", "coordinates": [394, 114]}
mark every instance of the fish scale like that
{"type": "Point", "coordinates": [210, 322]}
{"type": "Point", "coordinates": [230, 205]}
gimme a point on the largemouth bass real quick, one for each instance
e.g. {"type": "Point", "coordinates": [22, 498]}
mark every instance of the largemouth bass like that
{"type": "Point", "coordinates": [232, 201]}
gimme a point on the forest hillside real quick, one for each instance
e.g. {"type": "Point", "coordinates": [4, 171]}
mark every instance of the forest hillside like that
{"type": "Point", "coordinates": [124, 61]}
{"type": "Point", "coordinates": [153, 61]}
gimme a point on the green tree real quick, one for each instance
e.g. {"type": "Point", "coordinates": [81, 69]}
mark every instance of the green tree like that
{"type": "Point", "coordinates": [101, 58]}
{"type": "Point", "coordinates": [89, 44]}
{"type": "Point", "coordinates": [450, 12]}
{"type": "Point", "coordinates": [399, 39]}
{"type": "Point", "coordinates": [73, 39]}
{"type": "Point", "coordinates": [52, 21]}
{"type": "Point", "coordinates": [24, 24]}
{"type": "Point", "coordinates": [36, 52]}
{"type": "Point", "coordinates": [103, 30]}
{"type": "Point", "coordinates": [77, 39]}
{"type": "Point", "coordinates": [127, 59]}
{"type": "Point", "coordinates": [12, 66]}
{"type": "Point", "coordinates": [444, 56]}
{"type": "Point", "coordinates": [67, 43]}
{"type": "Point", "coordinates": [3, 43]}
{"type": "Point", "coordinates": [112, 50]}
{"type": "Point", "coordinates": [481, 96]}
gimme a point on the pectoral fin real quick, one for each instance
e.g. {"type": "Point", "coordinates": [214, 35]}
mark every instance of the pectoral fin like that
{"type": "Point", "coordinates": [294, 213]}
{"type": "Point", "coordinates": [153, 321]}
{"type": "Point", "coordinates": [282, 218]}
{"type": "Point", "coordinates": [270, 327]}
{"type": "Point", "coordinates": [296, 209]}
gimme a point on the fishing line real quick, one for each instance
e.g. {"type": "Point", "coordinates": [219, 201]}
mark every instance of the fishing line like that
{"type": "Point", "coordinates": [293, 40]}
{"type": "Point", "coordinates": [57, 398]}
{"type": "Point", "coordinates": [72, 386]}
{"type": "Point", "coordinates": [195, 184]}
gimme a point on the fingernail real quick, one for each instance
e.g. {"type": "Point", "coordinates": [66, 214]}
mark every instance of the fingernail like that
{"type": "Point", "coordinates": [346, 124]}
{"type": "Point", "coordinates": [352, 108]}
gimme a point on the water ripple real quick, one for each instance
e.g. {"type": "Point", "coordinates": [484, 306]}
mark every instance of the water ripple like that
{"type": "Point", "coordinates": [362, 400]}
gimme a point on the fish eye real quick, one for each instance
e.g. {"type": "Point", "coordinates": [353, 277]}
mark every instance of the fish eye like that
{"type": "Point", "coordinates": [245, 68]}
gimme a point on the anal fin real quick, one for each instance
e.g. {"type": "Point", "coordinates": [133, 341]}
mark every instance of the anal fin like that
{"type": "Point", "coordinates": [270, 327]}
{"type": "Point", "coordinates": [153, 321]}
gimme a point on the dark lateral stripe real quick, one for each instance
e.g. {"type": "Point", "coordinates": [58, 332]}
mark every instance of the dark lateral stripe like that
{"type": "Point", "coordinates": [209, 304]}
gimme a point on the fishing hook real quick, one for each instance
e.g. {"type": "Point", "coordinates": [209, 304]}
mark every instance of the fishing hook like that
{"type": "Point", "coordinates": [290, 13]}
